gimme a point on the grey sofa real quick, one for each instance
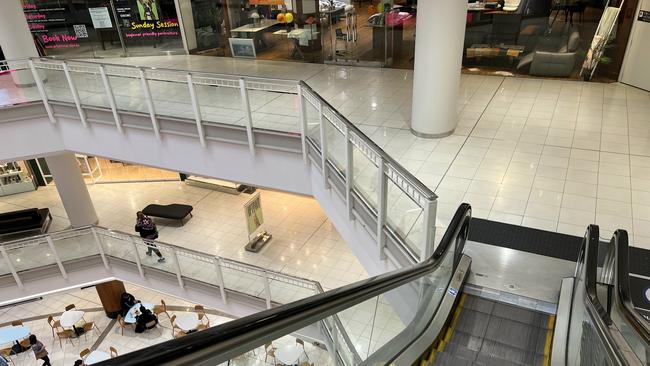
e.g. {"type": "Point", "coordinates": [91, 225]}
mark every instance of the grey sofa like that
{"type": "Point", "coordinates": [553, 56]}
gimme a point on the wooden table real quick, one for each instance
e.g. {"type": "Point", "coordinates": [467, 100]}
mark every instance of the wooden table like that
{"type": "Point", "coordinates": [254, 31]}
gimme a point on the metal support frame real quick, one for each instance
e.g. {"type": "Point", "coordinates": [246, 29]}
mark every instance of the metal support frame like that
{"type": "Point", "coordinates": [323, 144]}
{"type": "Point", "coordinates": [267, 289]}
{"type": "Point", "coordinates": [75, 94]}
{"type": "Point", "coordinates": [137, 256]}
{"type": "Point", "coordinates": [111, 97]}
{"type": "Point", "coordinates": [41, 91]}
{"type": "Point", "coordinates": [50, 243]}
{"type": "Point", "coordinates": [11, 267]}
{"type": "Point", "coordinates": [248, 117]}
{"type": "Point", "coordinates": [303, 123]}
{"type": "Point", "coordinates": [179, 275]}
{"type": "Point", "coordinates": [149, 100]}
{"type": "Point", "coordinates": [222, 285]}
{"type": "Point", "coordinates": [429, 229]}
{"type": "Point", "coordinates": [100, 247]}
{"type": "Point", "coordinates": [197, 109]}
{"type": "Point", "coordinates": [349, 173]}
{"type": "Point", "coordinates": [381, 207]}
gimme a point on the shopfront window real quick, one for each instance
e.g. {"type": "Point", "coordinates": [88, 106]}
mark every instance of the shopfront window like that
{"type": "Point", "coordinates": [103, 28]}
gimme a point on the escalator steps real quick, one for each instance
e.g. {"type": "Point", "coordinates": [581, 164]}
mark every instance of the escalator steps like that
{"type": "Point", "coordinates": [521, 315]}
{"type": "Point", "coordinates": [516, 334]}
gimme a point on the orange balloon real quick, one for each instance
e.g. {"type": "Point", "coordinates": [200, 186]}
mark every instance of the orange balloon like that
{"type": "Point", "coordinates": [280, 18]}
{"type": "Point", "coordinates": [288, 18]}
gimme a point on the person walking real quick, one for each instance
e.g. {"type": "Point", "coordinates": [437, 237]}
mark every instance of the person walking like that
{"type": "Point", "coordinates": [148, 231]}
{"type": "Point", "coordinates": [39, 350]}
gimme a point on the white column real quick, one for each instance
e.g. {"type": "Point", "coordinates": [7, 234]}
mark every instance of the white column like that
{"type": "Point", "coordinates": [72, 189]}
{"type": "Point", "coordinates": [440, 33]}
{"type": "Point", "coordinates": [16, 39]}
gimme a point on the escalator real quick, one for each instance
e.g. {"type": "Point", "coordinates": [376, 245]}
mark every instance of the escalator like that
{"type": "Point", "coordinates": [441, 313]}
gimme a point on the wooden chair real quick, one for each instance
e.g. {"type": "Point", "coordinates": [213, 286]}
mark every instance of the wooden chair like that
{"type": "Point", "coordinates": [199, 309]}
{"type": "Point", "coordinates": [269, 349]}
{"type": "Point", "coordinates": [302, 343]}
{"type": "Point", "coordinates": [89, 327]}
{"type": "Point", "coordinates": [177, 332]}
{"type": "Point", "coordinates": [204, 321]}
{"type": "Point", "coordinates": [113, 352]}
{"type": "Point", "coordinates": [161, 309]}
{"type": "Point", "coordinates": [84, 353]}
{"type": "Point", "coordinates": [122, 323]}
{"type": "Point", "coordinates": [17, 323]}
{"type": "Point", "coordinates": [66, 334]}
{"type": "Point", "coordinates": [55, 324]}
{"type": "Point", "coordinates": [69, 307]}
{"type": "Point", "coordinates": [305, 363]}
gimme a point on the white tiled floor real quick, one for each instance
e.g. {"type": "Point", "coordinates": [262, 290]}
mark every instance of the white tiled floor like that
{"type": "Point", "coordinates": [551, 154]}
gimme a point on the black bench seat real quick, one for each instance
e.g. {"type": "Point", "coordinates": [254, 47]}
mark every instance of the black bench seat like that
{"type": "Point", "coordinates": [173, 211]}
{"type": "Point", "coordinates": [22, 221]}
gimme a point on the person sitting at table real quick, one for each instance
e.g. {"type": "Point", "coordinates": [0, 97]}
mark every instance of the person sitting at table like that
{"type": "Point", "coordinates": [127, 301]}
{"type": "Point", "coordinates": [145, 320]}
{"type": "Point", "coordinates": [39, 350]}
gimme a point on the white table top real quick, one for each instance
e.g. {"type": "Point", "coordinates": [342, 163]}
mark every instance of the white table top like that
{"type": "Point", "coordinates": [264, 23]}
{"type": "Point", "coordinates": [187, 321]}
{"type": "Point", "coordinates": [71, 317]}
{"type": "Point", "coordinates": [95, 357]}
{"type": "Point", "coordinates": [130, 316]}
{"type": "Point", "coordinates": [11, 334]}
{"type": "Point", "coordinates": [289, 354]}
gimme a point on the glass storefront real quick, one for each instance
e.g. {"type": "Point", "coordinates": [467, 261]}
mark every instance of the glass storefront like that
{"type": "Point", "coordinates": [104, 28]}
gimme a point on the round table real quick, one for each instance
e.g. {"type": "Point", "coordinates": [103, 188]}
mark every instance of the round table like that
{"type": "Point", "coordinates": [289, 354]}
{"type": "Point", "coordinates": [13, 334]}
{"type": "Point", "coordinates": [187, 321]}
{"type": "Point", "coordinates": [95, 357]}
{"type": "Point", "coordinates": [130, 316]}
{"type": "Point", "coordinates": [70, 318]}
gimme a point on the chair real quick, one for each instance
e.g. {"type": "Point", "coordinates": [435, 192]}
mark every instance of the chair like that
{"type": "Point", "coordinates": [6, 353]}
{"type": "Point", "coordinates": [160, 309]}
{"type": "Point", "coordinates": [17, 323]}
{"type": "Point", "coordinates": [55, 324]}
{"type": "Point", "coordinates": [84, 353]}
{"type": "Point", "coordinates": [177, 332]}
{"type": "Point", "coordinates": [66, 334]}
{"type": "Point", "coordinates": [113, 352]}
{"type": "Point", "coordinates": [199, 309]}
{"type": "Point", "coordinates": [206, 325]}
{"type": "Point", "coordinates": [305, 363]}
{"type": "Point", "coordinates": [302, 343]}
{"type": "Point", "coordinates": [122, 323]}
{"type": "Point", "coordinates": [69, 307]}
{"type": "Point", "coordinates": [88, 327]}
{"type": "Point", "coordinates": [269, 349]}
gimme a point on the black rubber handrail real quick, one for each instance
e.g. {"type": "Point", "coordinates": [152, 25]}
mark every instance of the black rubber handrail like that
{"type": "Point", "coordinates": [238, 336]}
{"type": "Point", "coordinates": [591, 261]}
{"type": "Point", "coordinates": [620, 242]}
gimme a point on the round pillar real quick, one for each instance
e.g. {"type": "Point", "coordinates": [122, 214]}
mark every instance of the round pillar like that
{"type": "Point", "coordinates": [16, 39]}
{"type": "Point", "coordinates": [439, 38]}
{"type": "Point", "coordinates": [72, 189]}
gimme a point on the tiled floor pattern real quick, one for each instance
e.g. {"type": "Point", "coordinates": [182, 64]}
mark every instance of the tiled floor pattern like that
{"type": "Point", "coordinates": [551, 154]}
{"type": "Point", "coordinates": [67, 352]}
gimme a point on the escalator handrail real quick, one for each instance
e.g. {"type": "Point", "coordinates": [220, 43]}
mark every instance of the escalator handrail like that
{"type": "Point", "coordinates": [591, 261]}
{"type": "Point", "coordinates": [240, 335]}
{"type": "Point", "coordinates": [620, 242]}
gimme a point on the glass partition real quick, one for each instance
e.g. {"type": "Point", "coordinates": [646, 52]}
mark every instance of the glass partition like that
{"type": "Point", "coordinates": [74, 247]}
{"type": "Point", "coordinates": [56, 85]}
{"type": "Point", "coordinates": [336, 145]}
{"type": "Point", "coordinates": [170, 94]}
{"type": "Point", "coordinates": [274, 111]}
{"type": "Point", "coordinates": [127, 89]}
{"type": "Point", "coordinates": [30, 256]}
{"type": "Point", "coordinates": [219, 103]}
{"type": "Point", "coordinates": [366, 177]}
{"type": "Point", "coordinates": [405, 217]}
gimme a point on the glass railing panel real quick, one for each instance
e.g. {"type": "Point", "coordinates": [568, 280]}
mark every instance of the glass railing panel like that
{"type": "Point", "coordinates": [12, 73]}
{"type": "Point", "coordinates": [637, 344]}
{"type": "Point", "coordinates": [219, 104]}
{"type": "Point", "coordinates": [116, 245]}
{"type": "Point", "coordinates": [197, 267]}
{"type": "Point", "coordinates": [394, 312]}
{"type": "Point", "coordinates": [89, 85]}
{"type": "Point", "coordinates": [284, 292]}
{"type": "Point", "coordinates": [335, 141]}
{"type": "Point", "coordinates": [313, 120]}
{"type": "Point", "coordinates": [31, 256]}
{"type": "Point", "coordinates": [75, 246]}
{"type": "Point", "coordinates": [365, 177]}
{"type": "Point", "coordinates": [56, 85]}
{"type": "Point", "coordinates": [127, 89]}
{"type": "Point", "coordinates": [405, 216]}
{"type": "Point", "coordinates": [170, 94]}
{"type": "Point", "coordinates": [240, 280]}
{"type": "Point", "coordinates": [274, 111]}
{"type": "Point", "coordinates": [150, 255]}
{"type": "Point", "coordinates": [358, 324]}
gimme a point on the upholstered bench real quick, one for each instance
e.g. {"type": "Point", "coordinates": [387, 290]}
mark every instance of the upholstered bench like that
{"type": "Point", "coordinates": [173, 211]}
{"type": "Point", "coordinates": [23, 221]}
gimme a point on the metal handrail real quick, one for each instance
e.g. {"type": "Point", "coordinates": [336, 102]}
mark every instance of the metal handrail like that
{"type": "Point", "coordinates": [620, 242]}
{"type": "Point", "coordinates": [231, 339]}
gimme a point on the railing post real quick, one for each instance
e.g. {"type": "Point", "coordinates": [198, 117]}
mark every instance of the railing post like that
{"type": "Point", "coordinates": [222, 285]}
{"type": "Point", "coordinates": [50, 243]}
{"type": "Point", "coordinates": [323, 144]}
{"type": "Point", "coordinates": [349, 172]}
{"type": "Point", "coordinates": [179, 275]}
{"type": "Point", "coordinates": [11, 267]}
{"type": "Point", "coordinates": [429, 229]}
{"type": "Point", "coordinates": [100, 247]}
{"type": "Point", "coordinates": [137, 256]}
{"type": "Point", "coordinates": [197, 109]}
{"type": "Point", "coordinates": [381, 206]}
{"type": "Point", "coordinates": [267, 289]}
{"type": "Point", "coordinates": [41, 91]}
{"type": "Point", "coordinates": [75, 94]}
{"type": "Point", "coordinates": [335, 338]}
{"type": "Point", "coordinates": [111, 97]}
{"type": "Point", "coordinates": [149, 100]}
{"type": "Point", "coordinates": [303, 122]}
{"type": "Point", "coordinates": [248, 117]}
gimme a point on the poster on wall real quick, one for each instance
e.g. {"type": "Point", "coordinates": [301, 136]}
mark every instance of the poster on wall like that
{"type": "Point", "coordinates": [242, 47]}
{"type": "Point", "coordinates": [100, 17]}
{"type": "Point", "coordinates": [49, 25]}
{"type": "Point", "coordinates": [147, 9]}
